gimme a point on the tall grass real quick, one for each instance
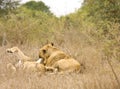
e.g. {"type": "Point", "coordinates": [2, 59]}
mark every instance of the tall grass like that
{"type": "Point", "coordinates": [84, 41]}
{"type": "Point", "coordinates": [96, 72]}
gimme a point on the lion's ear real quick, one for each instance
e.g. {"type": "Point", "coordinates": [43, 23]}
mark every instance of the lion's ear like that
{"type": "Point", "coordinates": [52, 43]}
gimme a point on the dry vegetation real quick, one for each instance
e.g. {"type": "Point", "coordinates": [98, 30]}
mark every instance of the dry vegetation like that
{"type": "Point", "coordinates": [91, 35]}
{"type": "Point", "coordinates": [96, 71]}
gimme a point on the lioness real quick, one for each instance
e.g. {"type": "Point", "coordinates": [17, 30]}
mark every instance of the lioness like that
{"type": "Point", "coordinates": [25, 62]}
{"type": "Point", "coordinates": [57, 59]}
{"type": "Point", "coordinates": [19, 54]}
{"type": "Point", "coordinates": [33, 66]}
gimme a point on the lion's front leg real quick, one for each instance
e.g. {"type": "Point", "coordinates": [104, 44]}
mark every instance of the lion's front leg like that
{"type": "Point", "coordinates": [51, 69]}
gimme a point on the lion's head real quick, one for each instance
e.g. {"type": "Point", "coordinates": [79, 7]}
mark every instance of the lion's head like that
{"type": "Point", "coordinates": [12, 50]}
{"type": "Point", "coordinates": [46, 51]}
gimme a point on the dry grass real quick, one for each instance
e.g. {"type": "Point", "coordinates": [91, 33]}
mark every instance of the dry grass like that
{"type": "Point", "coordinates": [96, 72]}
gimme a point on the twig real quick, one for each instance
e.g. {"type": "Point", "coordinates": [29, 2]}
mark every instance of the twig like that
{"type": "Point", "coordinates": [115, 75]}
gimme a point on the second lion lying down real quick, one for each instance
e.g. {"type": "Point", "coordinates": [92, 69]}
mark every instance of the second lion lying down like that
{"type": "Point", "coordinates": [53, 58]}
{"type": "Point", "coordinates": [24, 62]}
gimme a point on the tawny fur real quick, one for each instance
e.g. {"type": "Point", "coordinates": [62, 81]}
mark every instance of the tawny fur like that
{"type": "Point", "coordinates": [27, 66]}
{"type": "Point", "coordinates": [19, 54]}
{"type": "Point", "coordinates": [33, 67]}
{"type": "Point", "coordinates": [11, 67]}
{"type": "Point", "coordinates": [53, 57]}
{"type": "Point", "coordinates": [25, 62]}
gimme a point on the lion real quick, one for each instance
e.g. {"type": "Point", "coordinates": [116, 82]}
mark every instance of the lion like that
{"type": "Point", "coordinates": [33, 66]}
{"type": "Point", "coordinates": [11, 68]}
{"type": "Point", "coordinates": [19, 54]}
{"type": "Point", "coordinates": [25, 62]}
{"type": "Point", "coordinates": [57, 59]}
{"type": "Point", "coordinates": [27, 66]}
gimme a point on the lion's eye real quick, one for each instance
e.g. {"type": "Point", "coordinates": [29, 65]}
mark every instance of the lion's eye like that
{"type": "Point", "coordinates": [44, 51]}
